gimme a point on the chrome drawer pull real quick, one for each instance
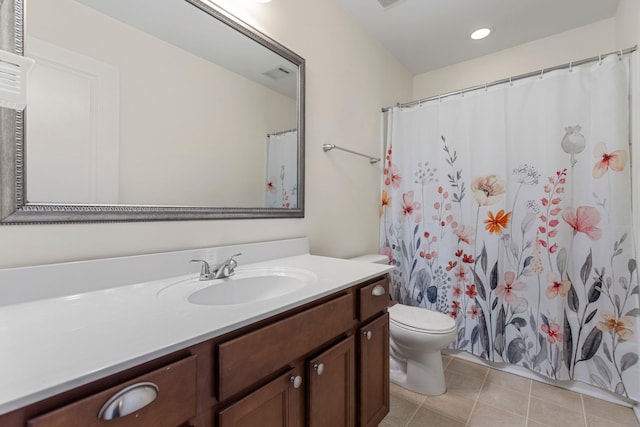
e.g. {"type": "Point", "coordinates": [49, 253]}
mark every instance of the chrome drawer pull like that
{"type": "Point", "coordinates": [378, 290]}
{"type": "Point", "coordinates": [367, 334]}
{"type": "Point", "coordinates": [129, 400]}
{"type": "Point", "coordinates": [296, 380]}
{"type": "Point", "coordinates": [319, 368]}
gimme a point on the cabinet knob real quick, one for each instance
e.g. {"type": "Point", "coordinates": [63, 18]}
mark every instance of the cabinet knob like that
{"type": "Point", "coordinates": [296, 380]}
{"type": "Point", "coordinates": [378, 290]}
{"type": "Point", "coordinates": [128, 400]}
{"type": "Point", "coordinates": [319, 368]}
{"type": "Point", "coordinates": [367, 334]}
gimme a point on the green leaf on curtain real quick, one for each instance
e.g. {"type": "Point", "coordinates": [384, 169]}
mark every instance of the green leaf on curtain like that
{"type": "Point", "coordinates": [597, 380]}
{"type": "Point", "coordinates": [475, 334]}
{"type": "Point", "coordinates": [628, 360]}
{"type": "Point", "coordinates": [541, 356]}
{"type": "Point", "coordinates": [545, 320]}
{"type": "Point", "coordinates": [634, 312]}
{"type": "Point", "coordinates": [516, 350]}
{"type": "Point", "coordinates": [591, 344]}
{"type": "Point", "coordinates": [585, 271]}
{"type": "Point", "coordinates": [479, 285]}
{"type": "Point", "coordinates": [561, 261]}
{"type": "Point", "coordinates": [568, 343]}
{"type": "Point", "coordinates": [494, 304]}
{"type": "Point", "coordinates": [590, 316]}
{"type": "Point", "coordinates": [432, 294]}
{"type": "Point", "coordinates": [595, 291]}
{"type": "Point", "coordinates": [635, 290]}
{"type": "Point", "coordinates": [499, 343]}
{"type": "Point", "coordinates": [501, 322]}
{"type": "Point", "coordinates": [518, 322]}
{"type": "Point", "coordinates": [493, 278]}
{"type": "Point", "coordinates": [602, 368]}
{"type": "Point", "coordinates": [483, 259]}
{"type": "Point", "coordinates": [605, 349]}
{"type": "Point", "coordinates": [572, 299]}
{"type": "Point", "coordinates": [632, 265]}
{"type": "Point", "coordinates": [484, 334]}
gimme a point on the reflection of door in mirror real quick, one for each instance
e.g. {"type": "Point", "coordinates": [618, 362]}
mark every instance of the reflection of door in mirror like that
{"type": "Point", "coordinates": [72, 127]}
{"type": "Point", "coordinates": [282, 170]}
{"type": "Point", "coordinates": [188, 132]}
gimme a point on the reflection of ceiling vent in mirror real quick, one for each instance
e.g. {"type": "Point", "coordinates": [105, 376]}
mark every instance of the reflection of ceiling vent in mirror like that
{"type": "Point", "coordinates": [279, 72]}
{"type": "Point", "coordinates": [388, 3]}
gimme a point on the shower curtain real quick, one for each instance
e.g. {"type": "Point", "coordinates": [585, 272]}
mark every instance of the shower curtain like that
{"type": "Point", "coordinates": [509, 209]}
{"type": "Point", "coordinates": [282, 170]}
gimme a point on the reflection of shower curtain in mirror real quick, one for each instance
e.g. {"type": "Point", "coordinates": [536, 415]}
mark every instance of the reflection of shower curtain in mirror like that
{"type": "Point", "coordinates": [282, 170]}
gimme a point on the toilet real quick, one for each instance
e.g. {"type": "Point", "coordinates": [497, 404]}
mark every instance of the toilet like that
{"type": "Point", "coordinates": [417, 336]}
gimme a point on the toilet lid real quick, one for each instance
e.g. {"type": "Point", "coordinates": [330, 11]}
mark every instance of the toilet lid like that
{"type": "Point", "coordinates": [421, 319]}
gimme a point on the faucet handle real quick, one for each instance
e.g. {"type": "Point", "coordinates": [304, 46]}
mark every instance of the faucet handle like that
{"type": "Point", "coordinates": [232, 262]}
{"type": "Point", "coordinates": [205, 271]}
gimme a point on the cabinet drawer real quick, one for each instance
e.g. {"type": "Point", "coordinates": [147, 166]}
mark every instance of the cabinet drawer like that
{"type": "Point", "coordinates": [175, 402]}
{"type": "Point", "coordinates": [244, 360]}
{"type": "Point", "coordinates": [373, 298]}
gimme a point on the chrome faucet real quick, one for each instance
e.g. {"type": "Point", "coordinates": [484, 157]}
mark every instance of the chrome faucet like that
{"type": "Point", "coordinates": [220, 271]}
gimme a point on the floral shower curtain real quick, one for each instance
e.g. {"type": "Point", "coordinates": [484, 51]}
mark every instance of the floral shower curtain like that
{"type": "Point", "coordinates": [509, 209]}
{"type": "Point", "coordinates": [282, 170]}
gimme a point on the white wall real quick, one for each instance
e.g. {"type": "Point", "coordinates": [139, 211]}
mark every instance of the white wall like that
{"type": "Point", "coordinates": [349, 78]}
{"type": "Point", "coordinates": [580, 43]}
{"type": "Point", "coordinates": [628, 34]}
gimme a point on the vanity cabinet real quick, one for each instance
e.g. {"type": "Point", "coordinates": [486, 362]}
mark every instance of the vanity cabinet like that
{"type": "Point", "coordinates": [325, 363]}
{"type": "Point", "coordinates": [165, 397]}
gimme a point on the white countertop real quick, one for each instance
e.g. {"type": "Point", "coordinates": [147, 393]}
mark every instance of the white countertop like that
{"type": "Point", "coordinates": [52, 345]}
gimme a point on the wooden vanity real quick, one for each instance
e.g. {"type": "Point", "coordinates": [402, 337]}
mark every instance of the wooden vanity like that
{"type": "Point", "coordinates": [325, 363]}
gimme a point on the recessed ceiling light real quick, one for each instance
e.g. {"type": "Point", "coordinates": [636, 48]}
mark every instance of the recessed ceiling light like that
{"type": "Point", "coordinates": [480, 33]}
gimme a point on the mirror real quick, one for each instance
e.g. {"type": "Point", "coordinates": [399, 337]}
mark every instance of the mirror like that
{"type": "Point", "coordinates": [184, 112]}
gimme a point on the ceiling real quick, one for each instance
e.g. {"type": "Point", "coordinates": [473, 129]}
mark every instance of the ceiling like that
{"type": "Point", "coordinates": [425, 35]}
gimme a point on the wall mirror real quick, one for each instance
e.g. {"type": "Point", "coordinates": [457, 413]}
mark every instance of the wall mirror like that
{"type": "Point", "coordinates": [142, 110]}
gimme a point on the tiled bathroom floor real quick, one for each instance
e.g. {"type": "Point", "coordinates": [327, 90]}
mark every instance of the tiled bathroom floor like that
{"type": "Point", "coordinates": [480, 396]}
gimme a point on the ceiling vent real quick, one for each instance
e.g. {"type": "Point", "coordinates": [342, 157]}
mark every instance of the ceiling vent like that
{"type": "Point", "coordinates": [388, 3]}
{"type": "Point", "coordinates": [279, 72]}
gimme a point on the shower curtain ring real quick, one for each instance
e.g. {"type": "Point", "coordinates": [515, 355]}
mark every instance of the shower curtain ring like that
{"type": "Point", "coordinates": [620, 55]}
{"type": "Point", "coordinates": [510, 82]}
{"type": "Point", "coordinates": [599, 59]}
{"type": "Point", "coordinates": [541, 73]}
{"type": "Point", "coordinates": [571, 66]}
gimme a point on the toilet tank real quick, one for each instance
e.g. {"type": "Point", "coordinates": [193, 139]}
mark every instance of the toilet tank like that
{"type": "Point", "coordinates": [373, 258]}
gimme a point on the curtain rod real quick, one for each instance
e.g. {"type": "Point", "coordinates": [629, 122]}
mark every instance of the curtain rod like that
{"type": "Point", "coordinates": [281, 132]}
{"type": "Point", "coordinates": [620, 52]}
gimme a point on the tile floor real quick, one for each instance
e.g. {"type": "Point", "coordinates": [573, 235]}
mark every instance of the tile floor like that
{"type": "Point", "coordinates": [480, 396]}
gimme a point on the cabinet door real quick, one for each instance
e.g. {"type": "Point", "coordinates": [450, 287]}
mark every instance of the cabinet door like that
{"type": "Point", "coordinates": [331, 386]}
{"type": "Point", "coordinates": [374, 371]}
{"type": "Point", "coordinates": [274, 404]}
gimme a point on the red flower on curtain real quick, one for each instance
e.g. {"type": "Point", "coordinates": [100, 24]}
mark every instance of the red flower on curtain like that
{"type": "Point", "coordinates": [615, 161]}
{"type": "Point", "coordinates": [583, 220]}
{"type": "Point", "coordinates": [411, 208]}
{"type": "Point", "coordinates": [553, 332]}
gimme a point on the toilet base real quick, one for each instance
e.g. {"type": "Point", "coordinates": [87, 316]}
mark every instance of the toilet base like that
{"type": "Point", "coordinates": [426, 377]}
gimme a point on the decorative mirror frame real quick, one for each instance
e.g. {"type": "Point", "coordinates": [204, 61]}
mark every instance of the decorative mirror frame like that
{"type": "Point", "coordinates": [14, 208]}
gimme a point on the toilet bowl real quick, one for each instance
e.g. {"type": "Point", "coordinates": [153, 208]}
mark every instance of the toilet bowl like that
{"type": "Point", "coordinates": [417, 336]}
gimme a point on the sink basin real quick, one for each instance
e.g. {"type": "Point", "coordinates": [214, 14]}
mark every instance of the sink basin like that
{"type": "Point", "coordinates": [244, 287]}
